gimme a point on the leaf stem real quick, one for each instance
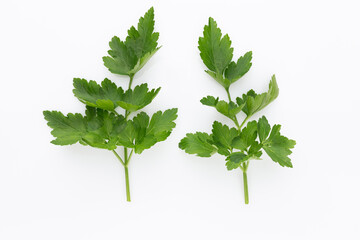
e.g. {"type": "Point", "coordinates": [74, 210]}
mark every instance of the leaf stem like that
{"type": "Point", "coordinates": [242, 124]}
{"type": "Point", "coordinates": [118, 157]}
{"type": "Point", "coordinates": [127, 184]}
{"type": "Point", "coordinates": [228, 94]}
{"type": "Point", "coordinates": [131, 79]}
{"type": "Point", "coordinates": [235, 118]}
{"type": "Point", "coordinates": [126, 172]}
{"type": "Point", "coordinates": [132, 150]}
{"type": "Point", "coordinates": [237, 123]}
{"type": "Point", "coordinates": [246, 191]}
{"type": "Point", "coordinates": [126, 156]}
{"type": "Point", "coordinates": [127, 175]}
{"type": "Point", "coordinates": [245, 165]}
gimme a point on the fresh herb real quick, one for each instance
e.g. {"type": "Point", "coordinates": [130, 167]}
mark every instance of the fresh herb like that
{"type": "Point", "coordinates": [102, 126]}
{"type": "Point", "coordinates": [240, 144]}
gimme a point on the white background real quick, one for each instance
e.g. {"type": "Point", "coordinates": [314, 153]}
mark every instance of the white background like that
{"type": "Point", "coordinates": [77, 192]}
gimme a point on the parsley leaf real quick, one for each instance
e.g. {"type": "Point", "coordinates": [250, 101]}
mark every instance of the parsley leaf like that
{"type": "Point", "coordinates": [161, 124]}
{"type": "Point", "coordinates": [98, 128]}
{"type": "Point", "coordinates": [136, 99]}
{"type": "Point", "coordinates": [209, 101]}
{"type": "Point", "coordinates": [236, 70]}
{"type": "Point", "coordinates": [235, 159]}
{"type": "Point", "coordinates": [255, 102]}
{"type": "Point", "coordinates": [247, 137]}
{"type": "Point", "coordinates": [222, 137]}
{"type": "Point", "coordinates": [101, 129]}
{"type": "Point", "coordinates": [278, 147]}
{"type": "Point", "coordinates": [227, 109]}
{"type": "Point", "coordinates": [127, 58]}
{"type": "Point", "coordinates": [143, 40]}
{"type": "Point", "coordinates": [215, 50]}
{"type": "Point", "coordinates": [67, 129]}
{"type": "Point", "coordinates": [94, 95]}
{"type": "Point", "coordinates": [217, 53]}
{"type": "Point", "coordinates": [263, 128]}
{"type": "Point", "coordinates": [155, 130]}
{"type": "Point", "coordinates": [198, 143]}
{"type": "Point", "coordinates": [122, 60]}
{"type": "Point", "coordinates": [108, 96]}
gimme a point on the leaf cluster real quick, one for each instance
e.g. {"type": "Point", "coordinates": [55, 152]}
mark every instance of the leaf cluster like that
{"type": "Point", "coordinates": [239, 147]}
{"type": "Point", "coordinates": [108, 96]}
{"type": "Point", "coordinates": [217, 53]}
{"type": "Point", "coordinates": [102, 129]}
{"type": "Point", "coordinates": [129, 56]}
{"type": "Point", "coordinates": [240, 144]}
{"type": "Point", "coordinates": [102, 126]}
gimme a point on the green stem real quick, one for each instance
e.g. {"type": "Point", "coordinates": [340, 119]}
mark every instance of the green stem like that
{"type": "Point", "coordinates": [118, 157]}
{"type": "Point", "coordinates": [132, 150]}
{"type": "Point", "coordinates": [127, 184]}
{"type": "Point", "coordinates": [246, 191]}
{"type": "Point", "coordinates": [125, 163]}
{"type": "Point", "coordinates": [245, 165]}
{"type": "Point", "coordinates": [235, 118]}
{"type": "Point", "coordinates": [127, 175]}
{"type": "Point", "coordinates": [131, 79]}
{"type": "Point", "coordinates": [126, 156]}
{"type": "Point", "coordinates": [237, 123]}
{"type": "Point", "coordinates": [228, 94]}
{"type": "Point", "coordinates": [242, 124]}
{"type": "Point", "coordinates": [127, 160]}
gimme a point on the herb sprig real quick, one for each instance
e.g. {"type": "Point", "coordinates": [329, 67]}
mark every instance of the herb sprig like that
{"type": "Point", "coordinates": [103, 126]}
{"type": "Point", "coordinates": [243, 143]}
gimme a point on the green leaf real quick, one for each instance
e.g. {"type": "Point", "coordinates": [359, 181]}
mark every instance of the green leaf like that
{"type": "Point", "coordinates": [263, 128]}
{"type": "Point", "coordinates": [108, 96]}
{"type": "Point", "coordinates": [209, 101]}
{"type": "Point", "coordinates": [142, 61]}
{"type": "Point", "coordinates": [143, 40]}
{"type": "Point", "coordinates": [161, 124]}
{"type": "Point", "coordinates": [222, 137]}
{"type": "Point", "coordinates": [101, 128]}
{"type": "Point", "coordinates": [127, 58]}
{"type": "Point", "coordinates": [228, 109]}
{"type": "Point", "coordinates": [66, 129]}
{"type": "Point", "coordinates": [219, 78]}
{"type": "Point", "coordinates": [255, 102]}
{"type": "Point", "coordinates": [122, 60]}
{"type": "Point", "coordinates": [247, 137]}
{"type": "Point", "coordinates": [133, 100]}
{"type": "Point", "coordinates": [142, 140]}
{"type": "Point", "coordinates": [215, 50]}
{"type": "Point", "coordinates": [149, 132]}
{"type": "Point", "coordinates": [198, 143]}
{"type": "Point", "coordinates": [126, 134]}
{"type": "Point", "coordinates": [235, 159]}
{"type": "Point", "coordinates": [278, 147]}
{"type": "Point", "coordinates": [98, 128]}
{"type": "Point", "coordinates": [94, 95]}
{"type": "Point", "coordinates": [236, 70]}
{"type": "Point", "coordinates": [255, 150]}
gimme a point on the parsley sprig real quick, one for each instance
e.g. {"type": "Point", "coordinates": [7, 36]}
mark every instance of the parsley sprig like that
{"type": "Point", "coordinates": [241, 143]}
{"type": "Point", "coordinates": [103, 126]}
